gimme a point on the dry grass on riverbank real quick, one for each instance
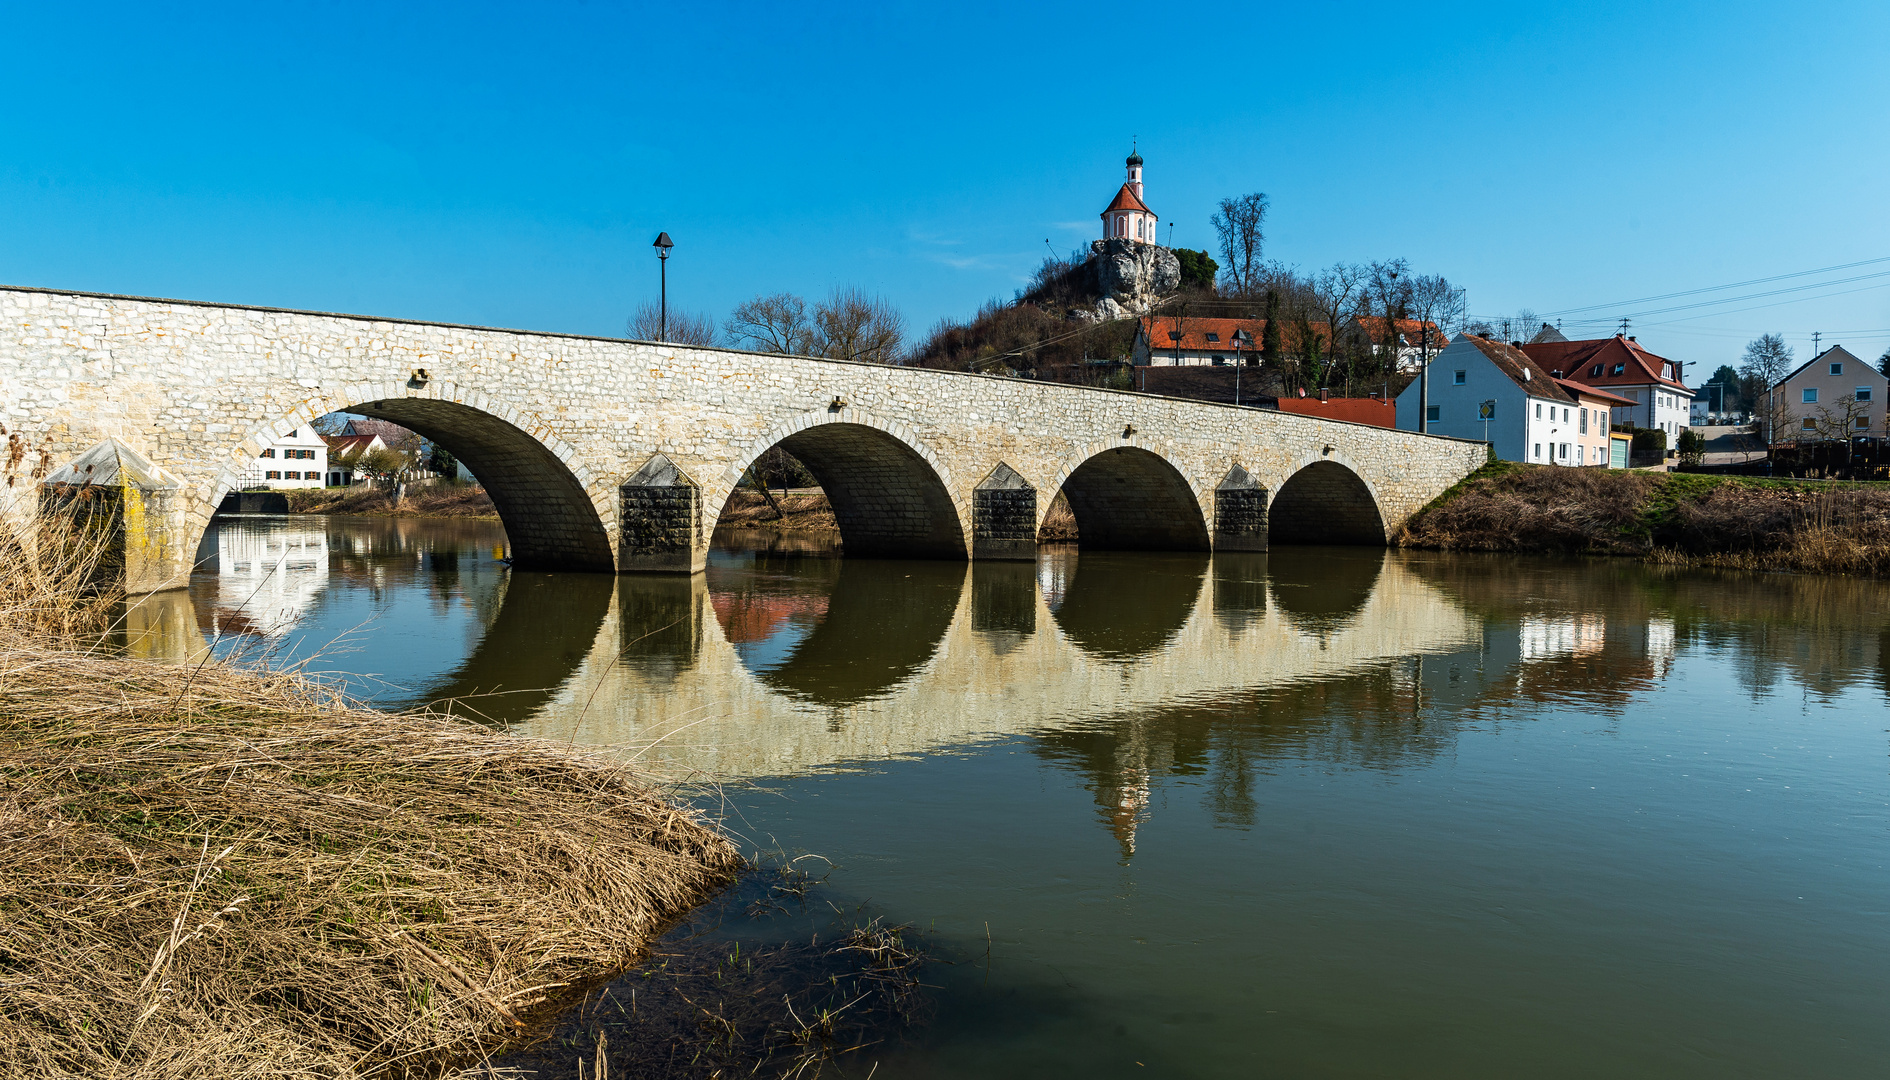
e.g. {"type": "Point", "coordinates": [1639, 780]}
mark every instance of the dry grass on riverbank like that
{"type": "Point", "coordinates": [212, 871]}
{"type": "Point", "coordinates": [1671, 518]}
{"type": "Point", "coordinates": [799, 511]}
{"type": "Point", "coordinates": [432, 500]}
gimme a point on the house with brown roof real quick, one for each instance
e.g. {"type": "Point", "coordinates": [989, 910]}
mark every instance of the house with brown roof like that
{"type": "Point", "coordinates": [1657, 397]}
{"type": "Point", "coordinates": [343, 447]}
{"type": "Point", "coordinates": [1831, 397]}
{"type": "Point", "coordinates": [1495, 392]}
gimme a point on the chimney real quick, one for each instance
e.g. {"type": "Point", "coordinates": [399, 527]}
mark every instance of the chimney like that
{"type": "Point", "coordinates": [1322, 394]}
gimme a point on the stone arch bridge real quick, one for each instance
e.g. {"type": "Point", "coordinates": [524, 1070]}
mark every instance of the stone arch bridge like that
{"type": "Point", "coordinates": [611, 455]}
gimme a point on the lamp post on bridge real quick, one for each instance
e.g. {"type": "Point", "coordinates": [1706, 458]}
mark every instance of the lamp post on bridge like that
{"type": "Point", "coordinates": [662, 245]}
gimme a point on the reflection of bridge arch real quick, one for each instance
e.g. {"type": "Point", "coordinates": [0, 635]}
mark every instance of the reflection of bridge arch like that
{"type": "Point", "coordinates": [1132, 499]}
{"type": "Point", "coordinates": [1125, 607]}
{"type": "Point", "coordinates": [545, 629]}
{"type": "Point", "coordinates": [891, 496]}
{"type": "Point", "coordinates": [1326, 501]}
{"type": "Point", "coordinates": [540, 487]}
{"type": "Point", "coordinates": [877, 625]}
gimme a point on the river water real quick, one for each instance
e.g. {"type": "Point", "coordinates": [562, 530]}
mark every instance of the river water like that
{"type": "Point", "coordinates": [1315, 813]}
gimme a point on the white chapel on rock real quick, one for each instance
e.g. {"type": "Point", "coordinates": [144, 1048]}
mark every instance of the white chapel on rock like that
{"type": "Point", "coordinates": [1128, 217]}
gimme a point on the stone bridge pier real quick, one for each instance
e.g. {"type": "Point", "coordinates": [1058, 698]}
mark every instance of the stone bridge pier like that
{"type": "Point", "coordinates": [608, 455]}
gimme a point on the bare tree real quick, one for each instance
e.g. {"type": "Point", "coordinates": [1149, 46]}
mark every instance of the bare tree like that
{"type": "Point", "coordinates": [1435, 300]}
{"type": "Point", "coordinates": [776, 324]}
{"type": "Point", "coordinates": [1241, 225]}
{"type": "Point", "coordinates": [851, 325]}
{"type": "Point", "coordinates": [1390, 288]}
{"type": "Point", "coordinates": [1767, 361]}
{"type": "Point", "coordinates": [683, 328]}
{"type": "Point", "coordinates": [1335, 296]}
{"type": "Point", "coordinates": [1838, 422]}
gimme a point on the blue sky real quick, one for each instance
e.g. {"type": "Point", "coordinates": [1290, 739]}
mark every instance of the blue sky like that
{"type": "Point", "coordinates": [510, 165]}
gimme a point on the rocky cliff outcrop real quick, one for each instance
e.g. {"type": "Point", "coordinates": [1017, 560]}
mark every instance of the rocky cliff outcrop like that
{"type": "Point", "coordinates": [1129, 277]}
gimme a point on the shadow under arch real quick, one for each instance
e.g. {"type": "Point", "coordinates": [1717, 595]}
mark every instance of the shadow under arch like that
{"type": "Point", "coordinates": [1122, 607]}
{"type": "Point", "coordinates": [546, 626]}
{"type": "Point", "coordinates": [1320, 590]}
{"type": "Point", "coordinates": [1325, 503]}
{"type": "Point", "coordinates": [851, 635]}
{"type": "Point", "coordinates": [550, 521]}
{"type": "Point", "coordinates": [1130, 499]}
{"type": "Point", "coordinates": [887, 499]}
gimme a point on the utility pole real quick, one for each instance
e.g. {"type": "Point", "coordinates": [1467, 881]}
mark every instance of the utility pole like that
{"type": "Point", "coordinates": [1816, 335]}
{"type": "Point", "coordinates": [1624, 325]}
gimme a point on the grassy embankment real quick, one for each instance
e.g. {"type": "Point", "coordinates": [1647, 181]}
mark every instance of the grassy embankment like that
{"type": "Point", "coordinates": [432, 500]}
{"type": "Point", "coordinates": [1674, 518]}
{"type": "Point", "coordinates": [215, 871]}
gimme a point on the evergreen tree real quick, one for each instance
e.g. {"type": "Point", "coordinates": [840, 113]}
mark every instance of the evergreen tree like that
{"type": "Point", "coordinates": [1270, 333]}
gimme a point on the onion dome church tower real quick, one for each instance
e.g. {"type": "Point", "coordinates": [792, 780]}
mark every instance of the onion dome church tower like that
{"type": "Point", "coordinates": [1128, 217]}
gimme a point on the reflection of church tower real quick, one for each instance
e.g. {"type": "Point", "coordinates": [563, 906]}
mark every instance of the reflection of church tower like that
{"type": "Point", "coordinates": [1123, 792]}
{"type": "Point", "coordinates": [1128, 217]}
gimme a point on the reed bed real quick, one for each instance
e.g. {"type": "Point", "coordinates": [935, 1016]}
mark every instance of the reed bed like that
{"type": "Point", "coordinates": [1676, 520]}
{"type": "Point", "coordinates": [214, 871]}
{"type": "Point", "coordinates": [793, 511]}
{"type": "Point", "coordinates": [420, 500]}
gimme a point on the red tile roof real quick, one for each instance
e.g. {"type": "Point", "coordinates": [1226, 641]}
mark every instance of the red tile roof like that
{"type": "Point", "coordinates": [1595, 393]}
{"type": "Point", "coordinates": [1126, 200]}
{"type": "Point", "coordinates": [1578, 360]}
{"type": "Point", "coordinates": [1375, 411]}
{"type": "Point", "coordinates": [340, 446]}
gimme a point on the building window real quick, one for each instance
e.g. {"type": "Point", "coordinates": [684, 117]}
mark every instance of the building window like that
{"type": "Point", "coordinates": [1213, 337]}
{"type": "Point", "coordinates": [1618, 369]}
{"type": "Point", "coordinates": [1584, 419]}
{"type": "Point", "coordinates": [1457, 379]}
{"type": "Point", "coordinates": [271, 452]}
{"type": "Point", "coordinates": [1430, 414]}
{"type": "Point", "coordinates": [272, 474]}
{"type": "Point", "coordinates": [1863, 423]}
{"type": "Point", "coordinates": [1538, 451]}
{"type": "Point", "coordinates": [1220, 360]}
{"type": "Point", "coordinates": [1808, 424]}
{"type": "Point", "coordinates": [1538, 415]}
{"type": "Point", "coordinates": [1837, 369]}
{"type": "Point", "coordinates": [1595, 372]}
{"type": "Point", "coordinates": [1811, 395]}
{"type": "Point", "coordinates": [1862, 393]}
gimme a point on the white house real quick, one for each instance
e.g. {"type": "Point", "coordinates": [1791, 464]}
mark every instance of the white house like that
{"type": "Point", "coordinates": [296, 460]}
{"type": "Point", "coordinates": [1489, 391]}
{"type": "Point", "coordinates": [343, 447]}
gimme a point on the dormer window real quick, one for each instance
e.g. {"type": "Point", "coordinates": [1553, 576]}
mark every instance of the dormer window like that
{"type": "Point", "coordinates": [1212, 336]}
{"type": "Point", "coordinates": [1618, 369]}
{"type": "Point", "coordinates": [1595, 373]}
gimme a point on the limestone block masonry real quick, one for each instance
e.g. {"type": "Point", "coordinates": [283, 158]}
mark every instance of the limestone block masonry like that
{"type": "Point", "coordinates": [603, 454]}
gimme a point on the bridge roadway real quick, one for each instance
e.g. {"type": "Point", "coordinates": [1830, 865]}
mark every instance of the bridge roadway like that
{"type": "Point", "coordinates": [604, 454]}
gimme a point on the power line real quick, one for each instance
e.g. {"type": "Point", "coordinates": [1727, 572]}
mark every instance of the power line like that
{"type": "Point", "coordinates": [1720, 288]}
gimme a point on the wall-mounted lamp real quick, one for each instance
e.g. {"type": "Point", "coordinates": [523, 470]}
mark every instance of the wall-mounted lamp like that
{"type": "Point", "coordinates": [838, 404]}
{"type": "Point", "coordinates": [1328, 450]}
{"type": "Point", "coordinates": [1128, 430]}
{"type": "Point", "coordinates": [420, 377]}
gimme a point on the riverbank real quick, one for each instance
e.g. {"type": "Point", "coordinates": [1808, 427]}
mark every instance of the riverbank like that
{"type": "Point", "coordinates": [1669, 518]}
{"type": "Point", "coordinates": [809, 512]}
{"type": "Point", "coordinates": [431, 500]}
{"type": "Point", "coordinates": [210, 870]}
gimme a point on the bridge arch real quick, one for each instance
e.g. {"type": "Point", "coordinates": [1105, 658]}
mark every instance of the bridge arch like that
{"type": "Point", "coordinates": [1326, 501]}
{"type": "Point", "coordinates": [891, 495]}
{"type": "Point", "coordinates": [542, 491]}
{"type": "Point", "coordinates": [1129, 498]}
